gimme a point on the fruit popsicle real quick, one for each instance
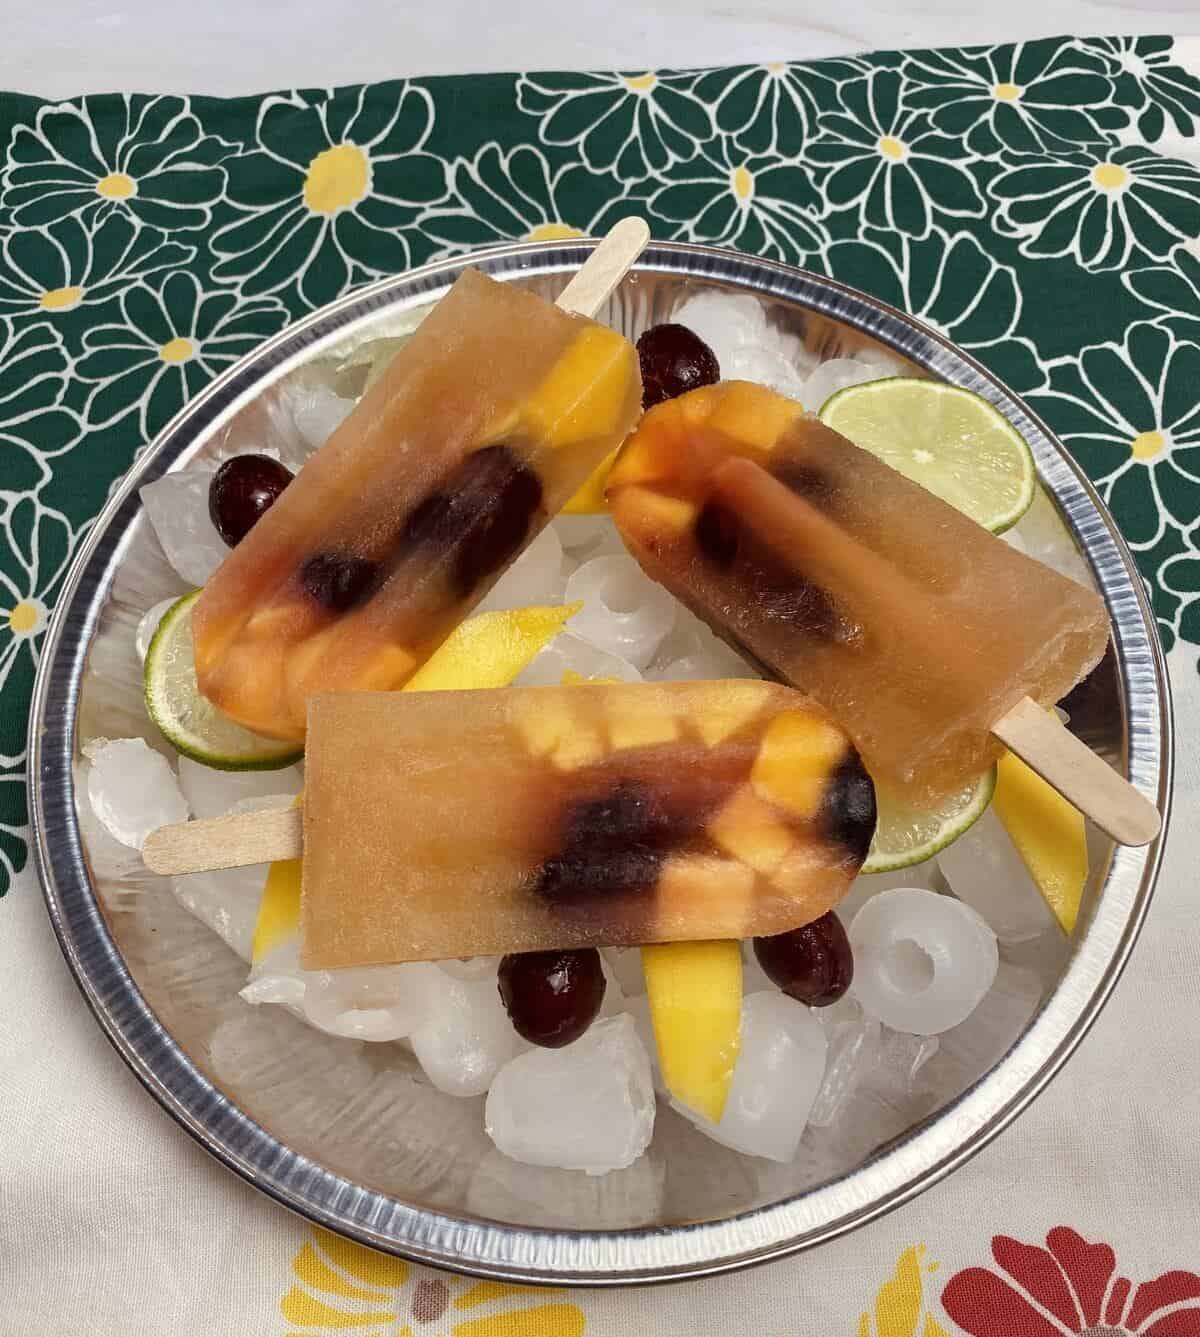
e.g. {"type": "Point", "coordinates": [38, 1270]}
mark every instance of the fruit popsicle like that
{"type": "Point", "coordinates": [445, 824]}
{"type": "Point", "coordinates": [914, 627]}
{"type": "Point", "coordinates": [484, 424]}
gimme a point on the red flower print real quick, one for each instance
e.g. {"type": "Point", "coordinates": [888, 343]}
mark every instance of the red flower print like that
{"type": "Point", "coordinates": [1069, 1287]}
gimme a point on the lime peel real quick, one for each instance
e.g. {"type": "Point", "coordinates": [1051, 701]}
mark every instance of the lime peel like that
{"type": "Point", "coordinates": [190, 722]}
{"type": "Point", "coordinates": [952, 442]}
{"type": "Point", "coordinates": [906, 836]}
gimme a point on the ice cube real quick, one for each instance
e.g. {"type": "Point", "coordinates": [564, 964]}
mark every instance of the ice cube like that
{"type": "Point", "coordinates": [836, 374]}
{"type": "Point", "coordinates": [624, 612]}
{"type": "Point", "coordinates": [899, 1060]}
{"type": "Point", "coordinates": [637, 1007]}
{"type": "Point", "coordinates": [589, 1106]}
{"type": "Point", "coordinates": [985, 871]}
{"type": "Point", "coordinates": [868, 885]}
{"type": "Point", "coordinates": [535, 1195]}
{"type": "Point", "coordinates": [471, 968]}
{"type": "Point", "coordinates": [375, 1003]}
{"type": "Point", "coordinates": [119, 871]}
{"type": "Point", "coordinates": [177, 506]}
{"type": "Point", "coordinates": [148, 625]}
{"type": "Point", "coordinates": [1042, 535]}
{"type": "Point", "coordinates": [768, 365]}
{"type": "Point", "coordinates": [465, 1035]}
{"type": "Point", "coordinates": [567, 654]}
{"type": "Point", "coordinates": [212, 793]}
{"type": "Point", "coordinates": [625, 964]}
{"type": "Point", "coordinates": [587, 536]}
{"type": "Point", "coordinates": [317, 412]}
{"type": "Point", "coordinates": [922, 961]}
{"type": "Point", "coordinates": [853, 1041]}
{"type": "Point", "coordinates": [227, 901]}
{"type": "Point", "coordinates": [693, 652]}
{"type": "Point", "coordinates": [726, 322]}
{"type": "Point", "coordinates": [132, 789]}
{"type": "Point", "coordinates": [754, 978]}
{"type": "Point", "coordinates": [776, 1082]}
{"type": "Point", "coordinates": [536, 577]}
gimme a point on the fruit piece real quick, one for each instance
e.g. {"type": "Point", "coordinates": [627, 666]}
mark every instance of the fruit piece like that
{"type": "Point", "coordinates": [812, 964]}
{"type": "Point", "coordinates": [242, 490]}
{"type": "Point", "coordinates": [589, 500]}
{"type": "Point", "coordinates": [485, 651]}
{"type": "Point", "coordinates": [695, 992]}
{"type": "Point", "coordinates": [952, 442]}
{"type": "Point", "coordinates": [1049, 835]}
{"type": "Point", "coordinates": [279, 910]}
{"type": "Point", "coordinates": [552, 997]}
{"type": "Point", "coordinates": [674, 361]}
{"type": "Point", "coordinates": [906, 835]}
{"type": "Point", "coordinates": [336, 581]}
{"type": "Point", "coordinates": [490, 650]}
{"type": "Point", "coordinates": [190, 722]}
{"type": "Point", "coordinates": [792, 765]}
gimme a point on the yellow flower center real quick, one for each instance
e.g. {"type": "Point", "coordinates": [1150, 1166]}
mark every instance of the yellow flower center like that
{"type": "Point", "coordinates": [60, 299]}
{"type": "Point", "coordinates": [116, 186]}
{"type": "Point", "coordinates": [337, 179]}
{"type": "Point", "coordinates": [1110, 176]}
{"type": "Point", "coordinates": [1006, 92]}
{"type": "Point", "coordinates": [23, 618]}
{"type": "Point", "coordinates": [177, 350]}
{"type": "Point", "coordinates": [742, 183]}
{"type": "Point", "coordinates": [893, 148]}
{"type": "Point", "coordinates": [1146, 445]}
{"type": "Point", "coordinates": [776, 67]}
{"type": "Point", "coordinates": [641, 83]}
{"type": "Point", "coordinates": [554, 232]}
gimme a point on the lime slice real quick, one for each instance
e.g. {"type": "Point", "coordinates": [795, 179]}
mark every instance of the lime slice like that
{"type": "Point", "coordinates": [905, 835]}
{"type": "Point", "coordinates": [952, 442]}
{"type": "Point", "coordinates": [193, 724]}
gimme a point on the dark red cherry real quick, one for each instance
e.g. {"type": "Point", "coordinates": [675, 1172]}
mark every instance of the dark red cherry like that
{"type": "Point", "coordinates": [241, 491]}
{"type": "Point", "coordinates": [337, 581]}
{"type": "Point", "coordinates": [674, 361]}
{"type": "Point", "coordinates": [812, 964]}
{"type": "Point", "coordinates": [552, 997]}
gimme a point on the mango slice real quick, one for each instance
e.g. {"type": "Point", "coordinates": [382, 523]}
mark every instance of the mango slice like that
{"type": "Point", "coordinates": [488, 650]}
{"type": "Point", "coordinates": [1048, 833]}
{"type": "Point", "coordinates": [695, 993]}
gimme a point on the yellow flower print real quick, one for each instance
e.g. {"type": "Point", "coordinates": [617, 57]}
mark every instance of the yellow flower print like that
{"type": "Point", "coordinates": [901, 1308]}
{"type": "Point", "coordinates": [345, 1289]}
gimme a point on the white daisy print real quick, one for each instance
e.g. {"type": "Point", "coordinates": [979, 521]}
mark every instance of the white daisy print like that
{"type": "Point", "coordinates": [1100, 205]}
{"type": "Point", "coordinates": [763, 205]}
{"type": "Point", "coordinates": [174, 337]}
{"type": "Point", "coordinates": [635, 124]}
{"type": "Point", "coordinates": [330, 193]}
{"type": "Point", "coordinates": [61, 267]}
{"type": "Point", "coordinates": [889, 162]}
{"type": "Point", "coordinates": [515, 196]}
{"type": "Point", "coordinates": [145, 157]}
{"type": "Point", "coordinates": [35, 424]}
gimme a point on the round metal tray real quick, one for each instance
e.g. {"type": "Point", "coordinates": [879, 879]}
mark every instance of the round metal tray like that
{"type": "Point", "coordinates": [1128, 719]}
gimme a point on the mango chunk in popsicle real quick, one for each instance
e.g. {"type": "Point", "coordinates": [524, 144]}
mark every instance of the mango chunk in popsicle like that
{"type": "Point", "coordinates": [444, 824]}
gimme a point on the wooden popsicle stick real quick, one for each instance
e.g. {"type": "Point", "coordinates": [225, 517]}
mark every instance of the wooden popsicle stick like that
{"type": "Point", "coordinates": [607, 265]}
{"type": "Point", "coordinates": [1044, 743]}
{"type": "Point", "coordinates": [226, 842]}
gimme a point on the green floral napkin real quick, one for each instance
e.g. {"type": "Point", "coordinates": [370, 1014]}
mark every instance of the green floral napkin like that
{"type": "Point", "coordinates": [1038, 203]}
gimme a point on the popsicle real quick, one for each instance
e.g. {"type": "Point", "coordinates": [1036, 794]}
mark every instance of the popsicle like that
{"type": "Point", "coordinates": [915, 628]}
{"type": "Point", "coordinates": [484, 424]}
{"type": "Point", "coordinates": [473, 823]}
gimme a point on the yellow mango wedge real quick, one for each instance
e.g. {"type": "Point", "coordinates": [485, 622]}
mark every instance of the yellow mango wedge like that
{"type": "Point", "coordinates": [489, 650]}
{"type": "Point", "coordinates": [695, 994]}
{"type": "Point", "coordinates": [589, 500]}
{"type": "Point", "coordinates": [1048, 833]}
